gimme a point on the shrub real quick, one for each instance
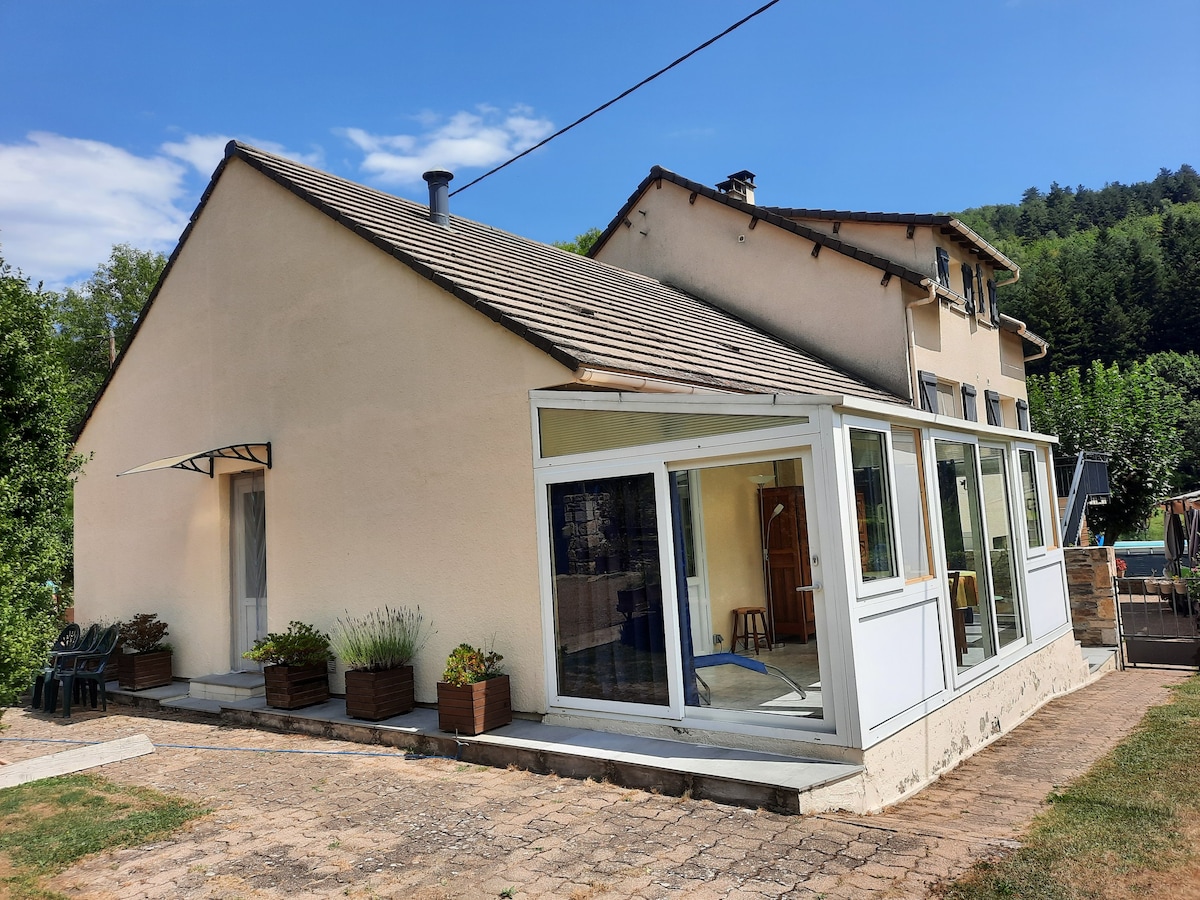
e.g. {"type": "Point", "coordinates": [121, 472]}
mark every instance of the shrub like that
{"type": "Point", "coordinates": [468, 665]}
{"type": "Point", "coordinates": [382, 639]}
{"type": "Point", "coordinates": [300, 645]}
{"type": "Point", "coordinates": [144, 633]}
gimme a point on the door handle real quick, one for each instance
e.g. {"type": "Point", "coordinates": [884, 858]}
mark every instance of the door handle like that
{"type": "Point", "coordinates": [815, 586]}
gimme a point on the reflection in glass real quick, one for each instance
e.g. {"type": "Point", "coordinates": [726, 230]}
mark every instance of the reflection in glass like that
{"type": "Point", "coordinates": [1033, 511]}
{"type": "Point", "coordinates": [993, 465]}
{"type": "Point", "coordinates": [910, 498]}
{"type": "Point", "coordinates": [608, 597]}
{"type": "Point", "coordinates": [868, 457]}
{"type": "Point", "coordinates": [962, 530]}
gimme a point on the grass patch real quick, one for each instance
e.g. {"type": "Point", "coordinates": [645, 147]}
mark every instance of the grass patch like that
{"type": "Point", "coordinates": [47, 825]}
{"type": "Point", "coordinates": [1130, 813]}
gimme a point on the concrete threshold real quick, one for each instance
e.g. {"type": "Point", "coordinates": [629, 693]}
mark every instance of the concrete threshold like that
{"type": "Point", "coordinates": [703, 772]}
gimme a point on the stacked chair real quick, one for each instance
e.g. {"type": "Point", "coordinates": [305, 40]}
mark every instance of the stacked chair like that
{"type": "Point", "coordinates": [82, 673]}
{"type": "Point", "coordinates": [68, 641]}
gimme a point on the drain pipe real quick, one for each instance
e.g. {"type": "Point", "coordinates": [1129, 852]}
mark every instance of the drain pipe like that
{"type": "Point", "coordinates": [931, 286]}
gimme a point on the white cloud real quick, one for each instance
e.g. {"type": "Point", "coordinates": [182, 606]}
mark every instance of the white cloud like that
{"type": "Point", "coordinates": [464, 140]}
{"type": "Point", "coordinates": [64, 202]}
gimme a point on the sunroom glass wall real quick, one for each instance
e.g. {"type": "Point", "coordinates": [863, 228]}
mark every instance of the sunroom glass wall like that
{"type": "Point", "coordinates": [610, 637]}
{"type": "Point", "coordinates": [962, 531]}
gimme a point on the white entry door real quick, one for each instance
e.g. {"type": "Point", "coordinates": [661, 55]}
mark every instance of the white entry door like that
{"type": "Point", "coordinates": [248, 530]}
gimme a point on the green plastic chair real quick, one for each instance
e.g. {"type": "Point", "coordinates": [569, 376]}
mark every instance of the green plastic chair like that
{"type": "Point", "coordinates": [87, 672]}
{"type": "Point", "coordinates": [68, 639]}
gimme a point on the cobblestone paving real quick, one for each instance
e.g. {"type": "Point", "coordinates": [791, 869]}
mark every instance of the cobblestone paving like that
{"type": "Point", "coordinates": [306, 825]}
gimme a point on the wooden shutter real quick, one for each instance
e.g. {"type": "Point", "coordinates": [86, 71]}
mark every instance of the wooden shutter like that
{"type": "Point", "coordinates": [993, 302]}
{"type": "Point", "coordinates": [943, 267]}
{"type": "Point", "coordinates": [968, 277]}
{"type": "Point", "coordinates": [970, 412]}
{"type": "Point", "coordinates": [928, 387]}
{"type": "Point", "coordinates": [992, 401]}
{"type": "Point", "coordinates": [1023, 415]}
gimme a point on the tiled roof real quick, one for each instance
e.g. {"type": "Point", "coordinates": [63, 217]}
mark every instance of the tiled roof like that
{"type": "Point", "coordinates": [948, 225]}
{"type": "Point", "coordinates": [581, 312]}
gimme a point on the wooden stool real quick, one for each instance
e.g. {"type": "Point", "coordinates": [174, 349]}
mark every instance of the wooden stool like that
{"type": "Point", "coordinates": [750, 623]}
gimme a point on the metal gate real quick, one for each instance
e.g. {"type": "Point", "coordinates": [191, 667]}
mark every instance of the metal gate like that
{"type": "Point", "coordinates": [1159, 624]}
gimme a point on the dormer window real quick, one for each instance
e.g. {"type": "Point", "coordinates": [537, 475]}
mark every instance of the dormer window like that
{"type": "Point", "coordinates": [968, 289]}
{"type": "Point", "coordinates": [943, 267]}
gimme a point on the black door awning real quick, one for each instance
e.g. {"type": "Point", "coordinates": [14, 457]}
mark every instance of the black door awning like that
{"type": "Point", "coordinates": [202, 462]}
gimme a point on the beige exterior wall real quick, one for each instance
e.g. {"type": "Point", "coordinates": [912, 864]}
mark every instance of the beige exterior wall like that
{"type": "Point", "coordinates": [967, 350]}
{"type": "Point", "coordinates": [831, 305]}
{"type": "Point", "coordinates": [400, 425]}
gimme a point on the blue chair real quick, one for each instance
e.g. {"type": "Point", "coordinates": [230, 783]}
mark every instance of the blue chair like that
{"type": "Point", "coordinates": [68, 639]}
{"type": "Point", "coordinates": [733, 659]}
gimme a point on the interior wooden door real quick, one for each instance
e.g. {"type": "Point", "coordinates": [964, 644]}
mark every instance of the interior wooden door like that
{"type": "Point", "coordinates": [789, 568]}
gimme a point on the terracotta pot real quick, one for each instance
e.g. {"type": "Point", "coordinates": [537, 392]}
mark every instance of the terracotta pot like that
{"type": "Point", "coordinates": [474, 708]}
{"type": "Point", "coordinates": [379, 695]}
{"type": "Point", "coordinates": [291, 687]}
{"type": "Point", "coordinates": [138, 671]}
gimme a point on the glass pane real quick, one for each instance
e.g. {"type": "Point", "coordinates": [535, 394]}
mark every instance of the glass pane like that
{"type": "Point", "coordinates": [566, 431]}
{"type": "Point", "coordinates": [683, 489]}
{"type": "Point", "coordinates": [254, 512]}
{"type": "Point", "coordinates": [962, 531]}
{"type": "Point", "coordinates": [868, 457]}
{"type": "Point", "coordinates": [910, 497]}
{"type": "Point", "coordinates": [608, 596]}
{"type": "Point", "coordinates": [763, 656]}
{"type": "Point", "coordinates": [945, 396]}
{"type": "Point", "coordinates": [993, 464]}
{"type": "Point", "coordinates": [1033, 511]}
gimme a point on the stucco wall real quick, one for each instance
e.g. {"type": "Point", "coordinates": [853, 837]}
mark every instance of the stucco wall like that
{"type": "Point", "coordinates": [400, 425]}
{"type": "Point", "coordinates": [832, 305]}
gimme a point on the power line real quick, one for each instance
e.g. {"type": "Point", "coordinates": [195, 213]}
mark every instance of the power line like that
{"type": "Point", "coordinates": [736, 25]}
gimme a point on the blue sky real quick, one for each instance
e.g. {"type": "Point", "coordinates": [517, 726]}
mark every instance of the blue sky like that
{"type": "Point", "coordinates": [115, 113]}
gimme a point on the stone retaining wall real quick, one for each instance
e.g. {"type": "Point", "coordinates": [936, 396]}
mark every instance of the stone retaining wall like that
{"type": "Point", "coordinates": [1090, 573]}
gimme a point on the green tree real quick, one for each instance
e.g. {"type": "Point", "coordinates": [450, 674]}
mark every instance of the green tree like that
{"type": "Point", "coordinates": [36, 471]}
{"type": "Point", "coordinates": [95, 322]}
{"type": "Point", "coordinates": [582, 243]}
{"type": "Point", "coordinates": [1131, 415]}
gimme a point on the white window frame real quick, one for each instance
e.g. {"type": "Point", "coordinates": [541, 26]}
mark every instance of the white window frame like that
{"type": "Point", "coordinates": [1040, 495]}
{"type": "Point", "coordinates": [1013, 480]}
{"type": "Point", "coordinates": [869, 590]}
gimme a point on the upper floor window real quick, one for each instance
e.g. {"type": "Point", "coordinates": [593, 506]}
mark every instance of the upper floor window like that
{"type": "Point", "coordinates": [943, 267]}
{"type": "Point", "coordinates": [945, 399]}
{"type": "Point", "coordinates": [968, 290]}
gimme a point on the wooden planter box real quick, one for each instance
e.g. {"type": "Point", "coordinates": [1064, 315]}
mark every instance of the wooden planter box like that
{"type": "Point", "coordinates": [475, 708]}
{"type": "Point", "coordinates": [291, 687]}
{"type": "Point", "coordinates": [138, 671]}
{"type": "Point", "coordinates": [379, 695]}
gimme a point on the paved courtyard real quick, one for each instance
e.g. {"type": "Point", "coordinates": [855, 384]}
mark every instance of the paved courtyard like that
{"type": "Point", "coordinates": [302, 817]}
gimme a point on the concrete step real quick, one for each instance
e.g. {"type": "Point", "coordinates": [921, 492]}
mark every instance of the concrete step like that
{"type": "Point", "coordinates": [194, 704]}
{"type": "Point", "coordinates": [1100, 659]}
{"type": "Point", "coordinates": [229, 686]}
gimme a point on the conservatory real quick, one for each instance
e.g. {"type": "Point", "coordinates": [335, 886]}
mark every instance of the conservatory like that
{"type": "Point", "coordinates": [819, 569]}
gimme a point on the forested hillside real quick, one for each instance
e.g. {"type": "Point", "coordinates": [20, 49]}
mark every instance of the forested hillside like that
{"type": "Point", "coordinates": [1110, 274]}
{"type": "Point", "coordinates": [1111, 277]}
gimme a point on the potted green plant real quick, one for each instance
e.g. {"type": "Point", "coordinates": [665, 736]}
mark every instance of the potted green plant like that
{"type": "Point", "coordinates": [145, 659]}
{"type": "Point", "coordinates": [296, 666]}
{"type": "Point", "coordinates": [473, 695]}
{"type": "Point", "coordinates": [378, 650]}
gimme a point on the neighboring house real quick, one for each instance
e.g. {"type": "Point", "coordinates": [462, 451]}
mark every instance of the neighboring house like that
{"type": "Point", "coordinates": [591, 463]}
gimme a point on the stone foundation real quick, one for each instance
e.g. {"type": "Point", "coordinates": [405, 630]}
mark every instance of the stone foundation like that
{"type": "Point", "coordinates": [1090, 574]}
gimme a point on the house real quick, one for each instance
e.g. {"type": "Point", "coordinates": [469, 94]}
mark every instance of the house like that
{"type": "Point", "coordinates": [725, 482]}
